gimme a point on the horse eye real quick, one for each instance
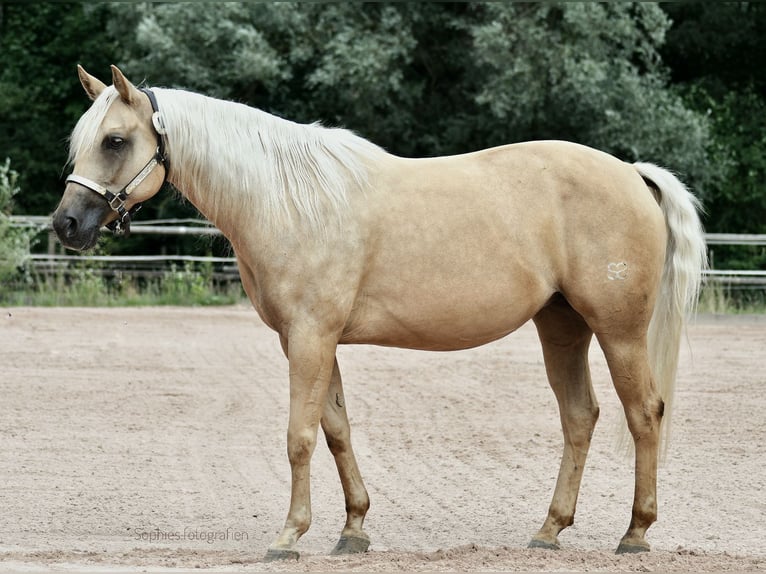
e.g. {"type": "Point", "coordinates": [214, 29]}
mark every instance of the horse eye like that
{"type": "Point", "coordinates": [114, 142]}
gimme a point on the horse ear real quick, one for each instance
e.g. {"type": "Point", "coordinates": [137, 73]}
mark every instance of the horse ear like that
{"type": "Point", "coordinates": [127, 91]}
{"type": "Point", "coordinates": [93, 86]}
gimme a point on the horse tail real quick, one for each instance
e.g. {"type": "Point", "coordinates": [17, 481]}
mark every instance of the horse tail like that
{"type": "Point", "coordinates": [685, 260]}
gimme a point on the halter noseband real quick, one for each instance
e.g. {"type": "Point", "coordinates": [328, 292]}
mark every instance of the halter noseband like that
{"type": "Point", "coordinates": [121, 225]}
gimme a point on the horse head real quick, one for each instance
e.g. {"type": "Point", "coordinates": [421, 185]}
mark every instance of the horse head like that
{"type": "Point", "coordinates": [115, 149]}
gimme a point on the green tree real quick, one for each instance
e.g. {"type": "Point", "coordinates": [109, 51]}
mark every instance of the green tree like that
{"type": "Point", "coordinates": [587, 72]}
{"type": "Point", "coordinates": [430, 78]}
{"type": "Point", "coordinates": [720, 45]}
{"type": "Point", "coordinates": [41, 99]}
{"type": "Point", "coordinates": [417, 78]}
{"type": "Point", "coordinates": [40, 45]}
{"type": "Point", "coordinates": [715, 51]}
{"type": "Point", "coordinates": [14, 242]}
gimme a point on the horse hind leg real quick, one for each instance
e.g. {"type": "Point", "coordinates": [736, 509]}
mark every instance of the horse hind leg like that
{"type": "Point", "coordinates": [353, 538]}
{"type": "Point", "coordinates": [627, 358]}
{"type": "Point", "coordinates": [565, 338]}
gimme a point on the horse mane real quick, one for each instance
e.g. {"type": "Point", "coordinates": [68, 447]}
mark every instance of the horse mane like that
{"type": "Point", "coordinates": [234, 159]}
{"type": "Point", "coordinates": [83, 138]}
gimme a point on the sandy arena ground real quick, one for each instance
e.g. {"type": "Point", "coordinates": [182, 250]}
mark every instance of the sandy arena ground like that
{"type": "Point", "coordinates": [153, 439]}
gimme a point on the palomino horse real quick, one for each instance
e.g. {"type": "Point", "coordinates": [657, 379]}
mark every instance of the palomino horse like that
{"type": "Point", "coordinates": [340, 242]}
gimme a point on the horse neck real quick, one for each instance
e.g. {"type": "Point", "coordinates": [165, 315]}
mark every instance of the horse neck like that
{"type": "Point", "coordinates": [201, 152]}
{"type": "Point", "coordinates": [242, 167]}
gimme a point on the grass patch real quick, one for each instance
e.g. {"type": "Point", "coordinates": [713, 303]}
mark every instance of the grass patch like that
{"type": "Point", "coordinates": [717, 298]}
{"type": "Point", "coordinates": [89, 286]}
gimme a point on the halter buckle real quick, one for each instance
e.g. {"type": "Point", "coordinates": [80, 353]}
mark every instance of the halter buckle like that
{"type": "Point", "coordinates": [117, 201]}
{"type": "Point", "coordinates": [159, 123]}
{"type": "Point", "coordinates": [121, 225]}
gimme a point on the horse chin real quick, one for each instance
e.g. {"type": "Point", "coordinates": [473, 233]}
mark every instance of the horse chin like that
{"type": "Point", "coordinates": [87, 242]}
{"type": "Point", "coordinates": [82, 241]}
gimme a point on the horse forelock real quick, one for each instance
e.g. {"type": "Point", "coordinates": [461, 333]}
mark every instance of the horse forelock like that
{"type": "Point", "coordinates": [245, 160]}
{"type": "Point", "coordinates": [84, 136]}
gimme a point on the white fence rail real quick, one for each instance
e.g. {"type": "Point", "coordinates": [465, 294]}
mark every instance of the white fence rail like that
{"type": "Point", "coordinates": [155, 227]}
{"type": "Point", "coordinates": [227, 266]}
{"type": "Point", "coordinates": [734, 239]}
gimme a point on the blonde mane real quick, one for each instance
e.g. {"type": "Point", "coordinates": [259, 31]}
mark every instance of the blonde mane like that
{"type": "Point", "coordinates": [229, 158]}
{"type": "Point", "coordinates": [83, 138]}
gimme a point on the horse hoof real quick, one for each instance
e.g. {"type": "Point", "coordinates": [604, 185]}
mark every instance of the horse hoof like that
{"type": "Point", "coordinates": [537, 543]}
{"type": "Point", "coordinates": [278, 554]}
{"type": "Point", "coordinates": [632, 547]}
{"type": "Point", "coordinates": [351, 545]}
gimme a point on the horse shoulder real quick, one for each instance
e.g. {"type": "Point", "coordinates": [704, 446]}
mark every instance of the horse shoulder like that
{"type": "Point", "coordinates": [303, 277]}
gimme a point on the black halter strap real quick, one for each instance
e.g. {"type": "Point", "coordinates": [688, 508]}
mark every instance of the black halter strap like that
{"type": "Point", "coordinates": [159, 128]}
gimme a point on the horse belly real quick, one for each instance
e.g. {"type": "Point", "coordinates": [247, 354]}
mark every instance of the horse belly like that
{"type": "Point", "coordinates": [446, 301]}
{"type": "Point", "coordinates": [433, 329]}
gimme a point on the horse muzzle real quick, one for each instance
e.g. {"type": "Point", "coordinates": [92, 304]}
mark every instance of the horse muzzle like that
{"type": "Point", "coordinates": [78, 219]}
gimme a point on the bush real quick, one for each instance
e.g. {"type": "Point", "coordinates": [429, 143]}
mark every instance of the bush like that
{"type": "Point", "coordinates": [14, 241]}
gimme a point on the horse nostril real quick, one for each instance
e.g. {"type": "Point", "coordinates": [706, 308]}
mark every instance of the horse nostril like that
{"type": "Point", "coordinates": [70, 226]}
{"type": "Point", "coordinates": [65, 226]}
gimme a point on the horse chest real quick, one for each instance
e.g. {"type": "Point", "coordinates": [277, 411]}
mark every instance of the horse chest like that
{"type": "Point", "coordinates": [317, 288]}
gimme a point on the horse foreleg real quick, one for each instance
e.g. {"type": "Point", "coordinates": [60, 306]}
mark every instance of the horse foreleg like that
{"type": "Point", "coordinates": [338, 434]}
{"type": "Point", "coordinates": [311, 361]}
{"type": "Point", "coordinates": [565, 340]}
{"type": "Point", "coordinates": [632, 378]}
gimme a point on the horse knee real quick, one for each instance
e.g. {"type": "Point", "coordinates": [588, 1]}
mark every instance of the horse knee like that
{"type": "Point", "coordinates": [300, 447]}
{"type": "Point", "coordinates": [580, 427]}
{"type": "Point", "coordinates": [646, 419]}
{"type": "Point", "coordinates": [592, 416]}
{"type": "Point", "coordinates": [337, 443]}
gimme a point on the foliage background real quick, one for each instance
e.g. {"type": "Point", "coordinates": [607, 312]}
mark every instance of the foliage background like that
{"type": "Point", "coordinates": [679, 84]}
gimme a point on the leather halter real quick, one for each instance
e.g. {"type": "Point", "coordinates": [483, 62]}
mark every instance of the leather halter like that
{"type": "Point", "coordinates": [117, 200]}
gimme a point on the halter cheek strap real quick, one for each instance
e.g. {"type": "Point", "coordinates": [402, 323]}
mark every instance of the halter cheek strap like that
{"type": "Point", "coordinates": [159, 127]}
{"type": "Point", "coordinates": [117, 201]}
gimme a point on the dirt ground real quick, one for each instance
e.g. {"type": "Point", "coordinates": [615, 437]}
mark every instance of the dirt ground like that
{"type": "Point", "coordinates": [153, 439]}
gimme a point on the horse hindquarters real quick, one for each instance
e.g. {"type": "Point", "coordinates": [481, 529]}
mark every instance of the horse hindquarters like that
{"type": "Point", "coordinates": [620, 322]}
{"type": "Point", "coordinates": [633, 290]}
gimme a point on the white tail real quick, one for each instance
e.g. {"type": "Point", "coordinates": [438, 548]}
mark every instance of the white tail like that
{"type": "Point", "coordinates": [685, 260]}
